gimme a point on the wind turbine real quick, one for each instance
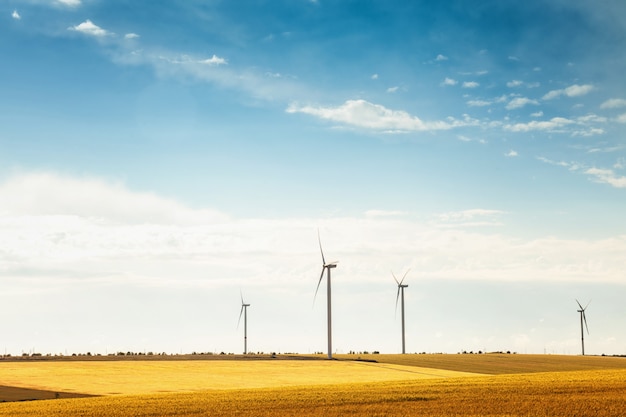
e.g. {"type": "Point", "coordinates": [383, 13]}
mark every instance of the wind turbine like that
{"type": "Point", "coordinates": [244, 311]}
{"type": "Point", "coordinates": [583, 318]}
{"type": "Point", "coordinates": [326, 267]}
{"type": "Point", "coordinates": [401, 288]}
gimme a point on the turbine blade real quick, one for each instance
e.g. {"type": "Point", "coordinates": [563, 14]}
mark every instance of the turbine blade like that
{"type": "Point", "coordinates": [240, 313]}
{"type": "Point", "coordinates": [320, 242]}
{"type": "Point", "coordinates": [581, 307]}
{"type": "Point", "coordinates": [318, 284]}
{"type": "Point", "coordinates": [241, 295]}
{"type": "Point", "coordinates": [585, 320]}
{"type": "Point", "coordinates": [404, 276]}
{"type": "Point", "coordinates": [396, 279]}
{"type": "Point", "coordinates": [397, 296]}
{"type": "Point", "coordinates": [587, 305]}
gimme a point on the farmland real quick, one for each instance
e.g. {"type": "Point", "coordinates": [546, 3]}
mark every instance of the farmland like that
{"type": "Point", "coordinates": [395, 385]}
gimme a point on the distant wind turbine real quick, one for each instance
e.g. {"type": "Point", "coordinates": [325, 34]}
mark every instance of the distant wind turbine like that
{"type": "Point", "coordinates": [401, 287]}
{"type": "Point", "coordinates": [583, 318]}
{"type": "Point", "coordinates": [326, 266]}
{"type": "Point", "coordinates": [244, 311]}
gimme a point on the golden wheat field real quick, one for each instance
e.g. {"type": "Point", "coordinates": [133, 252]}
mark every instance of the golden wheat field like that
{"type": "Point", "coordinates": [394, 386]}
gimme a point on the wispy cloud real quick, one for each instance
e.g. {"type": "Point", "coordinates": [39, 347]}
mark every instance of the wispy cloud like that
{"type": "Point", "coordinates": [441, 58]}
{"type": "Point", "coordinates": [519, 102]}
{"type": "Point", "coordinates": [599, 175]}
{"type": "Point", "coordinates": [556, 124]}
{"type": "Point", "coordinates": [89, 28]}
{"type": "Point", "coordinates": [581, 126]}
{"type": "Point", "coordinates": [374, 76]}
{"type": "Point", "coordinates": [478, 103]}
{"type": "Point", "coordinates": [15, 15]}
{"type": "Point", "coordinates": [470, 218]}
{"type": "Point", "coordinates": [613, 103]}
{"type": "Point", "coordinates": [557, 163]}
{"type": "Point", "coordinates": [70, 3]}
{"type": "Point", "coordinates": [393, 89]}
{"type": "Point", "coordinates": [59, 228]}
{"type": "Point", "coordinates": [571, 91]}
{"type": "Point", "coordinates": [131, 36]}
{"type": "Point", "coordinates": [607, 176]}
{"type": "Point", "coordinates": [214, 60]}
{"type": "Point", "coordinates": [449, 81]}
{"type": "Point", "coordinates": [363, 114]}
{"type": "Point", "coordinates": [385, 213]}
{"type": "Point", "coordinates": [511, 154]}
{"type": "Point", "coordinates": [514, 83]}
{"type": "Point", "coordinates": [470, 84]}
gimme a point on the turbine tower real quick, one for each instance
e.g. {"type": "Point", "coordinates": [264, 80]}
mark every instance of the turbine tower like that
{"type": "Point", "coordinates": [583, 318]}
{"type": "Point", "coordinates": [401, 287]}
{"type": "Point", "coordinates": [244, 311]}
{"type": "Point", "coordinates": [326, 267]}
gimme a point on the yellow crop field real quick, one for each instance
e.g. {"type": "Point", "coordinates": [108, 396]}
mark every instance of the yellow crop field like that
{"type": "Point", "coordinates": [498, 363]}
{"type": "Point", "coordinates": [142, 377]}
{"type": "Point", "coordinates": [321, 388]}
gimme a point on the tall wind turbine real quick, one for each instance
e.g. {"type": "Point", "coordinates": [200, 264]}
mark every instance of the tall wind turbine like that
{"type": "Point", "coordinates": [244, 311]}
{"type": "Point", "coordinates": [326, 267]}
{"type": "Point", "coordinates": [583, 318]}
{"type": "Point", "coordinates": [401, 287]}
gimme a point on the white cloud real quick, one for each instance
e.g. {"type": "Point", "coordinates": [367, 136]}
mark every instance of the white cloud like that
{"type": "Point", "coordinates": [131, 36]}
{"type": "Point", "coordinates": [556, 124]}
{"type": "Point", "coordinates": [613, 103]}
{"type": "Point", "coordinates": [478, 103]}
{"type": "Point", "coordinates": [374, 76]}
{"type": "Point", "coordinates": [600, 175]}
{"type": "Point", "coordinates": [470, 218]}
{"type": "Point", "coordinates": [558, 163]}
{"type": "Point", "coordinates": [385, 213]}
{"type": "Point", "coordinates": [392, 89]}
{"type": "Point", "coordinates": [621, 118]}
{"type": "Point", "coordinates": [537, 114]}
{"type": "Point", "coordinates": [89, 28]}
{"type": "Point", "coordinates": [363, 114]}
{"type": "Point", "coordinates": [571, 91]}
{"type": "Point", "coordinates": [511, 154]}
{"type": "Point", "coordinates": [15, 15]}
{"type": "Point", "coordinates": [48, 232]}
{"type": "Point", "coordinates": [95, 198]}
{"type": "Point", "coordinates": [607, 176]}
{"type": "Point", "coordinates": [214, 60]}
{"type": "Point", "coordinates": [441, 58]}
{"type": "Point", "coordinates": [470, 84]}
{"type": "Point", "coordinates": [514, 83]}
{"type": "Point", "coordinates": [70, 3]}
{"type": "Point", "coordinates": [519, 102]}
{"type": "Point", "coordinates": [449, 81]}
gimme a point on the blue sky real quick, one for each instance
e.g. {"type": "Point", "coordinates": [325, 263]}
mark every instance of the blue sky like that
{"type": "Point", "coordinates": [157, 158]}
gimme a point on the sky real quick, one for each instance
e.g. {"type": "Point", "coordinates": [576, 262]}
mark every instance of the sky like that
{"type": "Point", "coordinates": [161, 159]}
